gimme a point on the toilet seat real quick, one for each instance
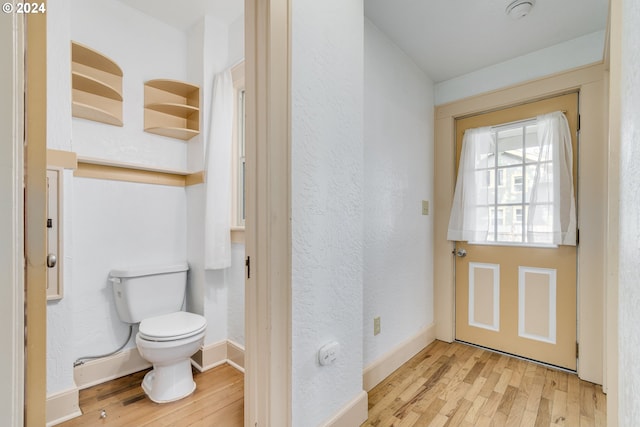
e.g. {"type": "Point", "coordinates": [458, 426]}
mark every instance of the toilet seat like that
{"type": "Point", "coordinates": [172, 326]}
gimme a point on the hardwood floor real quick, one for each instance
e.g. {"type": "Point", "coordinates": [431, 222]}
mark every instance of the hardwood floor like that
{"type": "Point", "coordinates": [459, 385]}
{"type": "Point", "coordinates": [444, 385]}
{"type": "Point", "coordinates": [218, 401]}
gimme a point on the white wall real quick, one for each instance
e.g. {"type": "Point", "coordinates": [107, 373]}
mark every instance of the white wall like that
{"type": "Point", "coordinates": [109, 224]}
{"type": "Point", "coordinates": [219, 294]}
{"type": "Point", "coordinates": [145, 49]}
{"type": "Point", "coordinates": [629, 292]}
{"type": "Point", "coordinates": [327, 204]}
{"type": "Point", "coordinates": [574, 53]}
{"type": "Point", "coordinates": [398, 175]}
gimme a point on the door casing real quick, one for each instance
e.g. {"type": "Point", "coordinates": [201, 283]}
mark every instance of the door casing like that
{"type": "Point", "coordinates": [590, 81]}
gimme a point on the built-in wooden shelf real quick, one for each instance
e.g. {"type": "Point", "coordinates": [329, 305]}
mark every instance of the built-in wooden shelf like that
{"type": "Point", "coordinates": [172, 108]}
{"type": "Point", "coordinates": [97, 86]}
{"type": "Point", "coordinates": [91, 112]}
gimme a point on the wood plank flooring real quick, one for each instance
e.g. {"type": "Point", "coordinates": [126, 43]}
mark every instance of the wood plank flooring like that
{"type": "Point", "coordinates": [218, 401]}
{"type": "Point", "coordinates": [444, 385]}
{"type": "Point", "coordinates": [459, 385]}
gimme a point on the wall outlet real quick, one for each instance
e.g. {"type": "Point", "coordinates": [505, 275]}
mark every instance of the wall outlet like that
{"type": "Point", "coordinates": [328, 353]}
{"type": "Point", "coordinates": [376, 325]}
{"type": "Point", "coordinates": [425, 207]}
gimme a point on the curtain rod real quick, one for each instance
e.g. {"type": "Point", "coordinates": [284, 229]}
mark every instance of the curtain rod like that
{"type": "Point", "coordinates": [515, 122]}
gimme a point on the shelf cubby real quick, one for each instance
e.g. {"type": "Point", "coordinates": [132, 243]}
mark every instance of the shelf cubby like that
{"type": "Point", "coordinates": [97, 86]}
{"type": "Point", "coordinates": [172, 108]}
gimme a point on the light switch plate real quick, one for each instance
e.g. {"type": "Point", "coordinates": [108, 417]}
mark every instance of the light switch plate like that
{"type": "Point", "coordinates": [425, 207]}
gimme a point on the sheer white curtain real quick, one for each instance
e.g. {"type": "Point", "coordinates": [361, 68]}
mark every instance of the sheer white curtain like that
{"type": "Point", "coordinates": [469, 218]}
{"type": "Point", "coordinates": [552, 206]}
{"type": "Point", "coordinates": [217, 239]}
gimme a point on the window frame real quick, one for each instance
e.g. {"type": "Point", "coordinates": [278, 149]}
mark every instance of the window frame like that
{"type": "Point", "coordinates": [237, 182]}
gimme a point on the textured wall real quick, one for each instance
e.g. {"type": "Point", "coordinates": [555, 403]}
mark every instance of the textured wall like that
{"type": "Point", "coordinates": [629, 291]}
{"type": "Point", "coordinates": [145, 49]}
{"type": "Point", "coordinates": [327, 204]}
{"type": "Point", "coordinates": [108, 223]}
{"type": "Point", "coordinates": [398, 175]}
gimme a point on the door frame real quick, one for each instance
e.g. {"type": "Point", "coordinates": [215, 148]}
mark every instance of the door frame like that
{"type": "Point", "coordinates": [590, 81]}
{"type": "Point", "coordinates": [268, 241]}
{"type": "Point", "coordinates": [268, 363]}
{"type": "Point", "coordinates": [12, 45]}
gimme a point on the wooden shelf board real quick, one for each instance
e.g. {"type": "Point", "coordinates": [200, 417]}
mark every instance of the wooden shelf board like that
{"type": "Point", "coordinates": [128, 165]}
{"type": "Point", "coordinates": [89, 84]}
{"type": "Point", "coordinates": [173, 86]}
{"type": "Point", "coordinates": [174, 109]}
{"type": "Point", "coordinates": [89, 112]}
{"type": "Point", "coordinates": [87, 56]}
{"type": "Point", "coordinates": [171, 132]}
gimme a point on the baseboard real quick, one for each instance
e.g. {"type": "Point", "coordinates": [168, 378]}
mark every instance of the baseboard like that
{"type": "Point", "coordinates": [62, 406]}
{"type": "Point", "coordinates": [218, 353]}
{"type": "Point", "coordinates": [353, 414]}
{"type": "Point", "coordinates": [235, 355]}
{"type": "Point", "coordinates": [108, 368]}
{"type": "Point", "coordinates": [385, 365]}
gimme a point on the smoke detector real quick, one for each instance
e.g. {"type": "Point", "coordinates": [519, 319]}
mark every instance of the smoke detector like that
{"type": "Point", "coordinates": [519, 8]}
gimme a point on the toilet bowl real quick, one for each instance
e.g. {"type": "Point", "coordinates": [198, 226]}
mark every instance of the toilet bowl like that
{"type": "Point", "coordinates": [167, 337]}
{"type": "Point", "coordinates": [168, 342]}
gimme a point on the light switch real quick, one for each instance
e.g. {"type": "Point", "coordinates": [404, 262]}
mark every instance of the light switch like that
{"type": "Point", "coordinates": [425, 207]}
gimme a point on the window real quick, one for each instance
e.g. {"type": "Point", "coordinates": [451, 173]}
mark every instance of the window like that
{"type": "Point", "coordinates": [517, 217]}
{"type": "Point", "coordinates": [517, 184]}
{"type": "Point", "coordinates": [239, 164]}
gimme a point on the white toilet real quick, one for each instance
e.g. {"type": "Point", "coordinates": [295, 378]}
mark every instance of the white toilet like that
{"type": "Point", "coordinates": [167, 336]}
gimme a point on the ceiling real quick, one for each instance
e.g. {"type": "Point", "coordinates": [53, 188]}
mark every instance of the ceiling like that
{"type": "Point", "coordinates": [184, 13]}
{"type": "Point", "coordinates": [449, 38]}
{"type": "Point", "coordinates": [446, 38]}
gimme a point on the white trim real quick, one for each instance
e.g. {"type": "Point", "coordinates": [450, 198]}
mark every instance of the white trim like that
{"type": "Point", "coordinates": [108, 368]}
{"type": "Point", "coordinates": [552, 273]}
{"type": "Point", "coordinates": [210, 356]}
{"type": "Point", "coordinates": [63, 406]}
{"type": "Point", "coordinates": [352, 414]}
{"type": "Point", "coordinates": [495, 325]}
{"type": "Point", "coordinates": [216, 354]}
{"type": "Point", "coordinates": [381, 368]}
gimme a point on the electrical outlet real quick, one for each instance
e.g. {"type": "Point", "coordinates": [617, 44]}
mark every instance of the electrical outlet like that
{"type": "Point", "coordinates": [376, 325]}
{"type": "Point", "coordinates": [425, 207]}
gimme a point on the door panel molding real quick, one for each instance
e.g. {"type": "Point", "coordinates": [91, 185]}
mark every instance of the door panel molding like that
{"type": "Point", "coordinates": [550, 309]}
{"type": "Point", "coordinates": [478, 300]}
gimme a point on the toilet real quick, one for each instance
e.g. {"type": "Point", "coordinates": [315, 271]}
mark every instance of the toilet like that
{"type": "Point", "coordinates": [167, 336]}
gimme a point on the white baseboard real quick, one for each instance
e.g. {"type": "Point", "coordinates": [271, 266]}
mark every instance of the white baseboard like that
{"type": "Point", "coordinates": [108, 368]}
{"type": "Point", "coordinates": [353, 414]}
{"type": "Point", "coordinates": [62, 406]}
{"type": "Point", "coordinates": [218, 353]}
{"type": "Point", "coordinates": [385, 365]}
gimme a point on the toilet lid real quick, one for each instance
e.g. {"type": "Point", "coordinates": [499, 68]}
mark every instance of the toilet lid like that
{"type": "Point", "coordinates": [172, 326]}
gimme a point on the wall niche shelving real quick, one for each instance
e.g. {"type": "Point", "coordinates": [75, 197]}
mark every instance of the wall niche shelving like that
{"type": "Point", "coordinates": [97, 86]}
{"type": "Point", "coordinates": [172, 108]}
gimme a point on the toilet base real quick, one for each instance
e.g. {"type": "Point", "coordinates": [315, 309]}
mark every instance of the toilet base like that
{"type": "Point", "coordinates": [170, 382]}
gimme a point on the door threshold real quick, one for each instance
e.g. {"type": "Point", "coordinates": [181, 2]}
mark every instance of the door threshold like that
{"type": "Point", "coordinates": [526, 359]}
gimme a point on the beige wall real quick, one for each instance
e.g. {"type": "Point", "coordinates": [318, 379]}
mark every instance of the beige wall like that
{"type": "Point", "coordinates": [592, 197]}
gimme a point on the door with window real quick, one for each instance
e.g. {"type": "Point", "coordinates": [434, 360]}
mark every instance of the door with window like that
{"type": "Point", "coordinates": [515, 245]}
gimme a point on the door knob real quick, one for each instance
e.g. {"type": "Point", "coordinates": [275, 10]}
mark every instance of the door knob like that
{"type": "Point", "coordinates": [51, 260]}
{"type": "Point", "coordinates": [461, 253]}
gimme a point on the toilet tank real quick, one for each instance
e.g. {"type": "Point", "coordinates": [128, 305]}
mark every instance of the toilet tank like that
{"type": "Point", "coordinates": [141, 293]}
